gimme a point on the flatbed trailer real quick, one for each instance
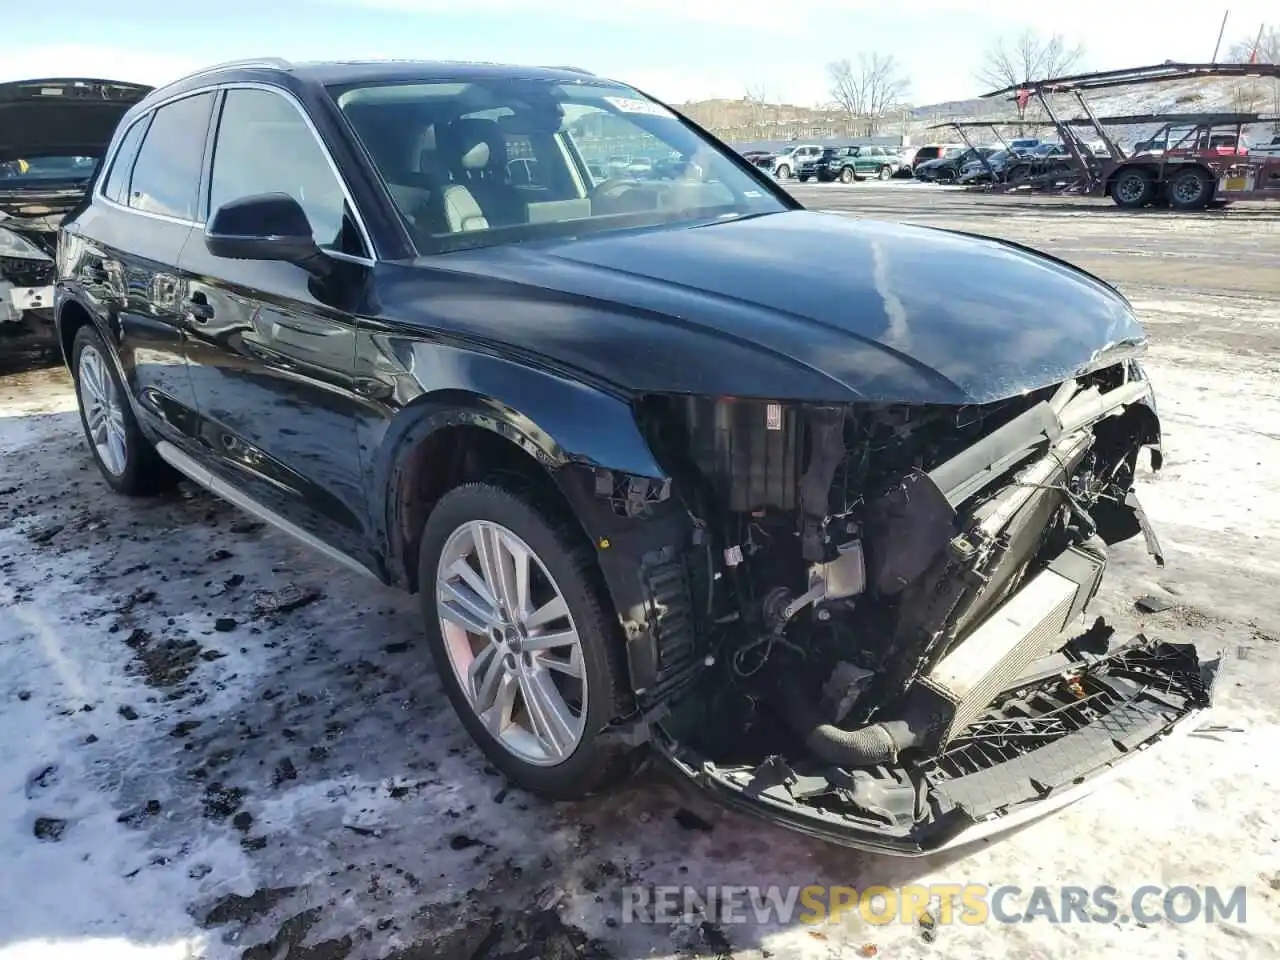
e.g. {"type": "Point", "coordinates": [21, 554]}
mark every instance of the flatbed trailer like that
{"type": "Point", "coordinates": [1188, 173]}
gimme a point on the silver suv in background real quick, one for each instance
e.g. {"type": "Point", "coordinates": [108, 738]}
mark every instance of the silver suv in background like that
{"type": "Point", "coordinates": [787, 161]}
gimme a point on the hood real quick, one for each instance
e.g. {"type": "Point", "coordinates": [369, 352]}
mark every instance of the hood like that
{"type": "Point", "coordinates": [805, 306]}
{"type": "Point", "coordinates": [64, 117]}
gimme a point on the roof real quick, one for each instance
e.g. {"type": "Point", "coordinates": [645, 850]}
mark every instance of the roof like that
{"type": "Point", "coordinates": [358, 71]}
{"type": "Point", "coordinates": [1156, 73]}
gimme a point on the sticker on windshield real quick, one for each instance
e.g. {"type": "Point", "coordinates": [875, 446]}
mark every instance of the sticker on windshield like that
{"type": "Point", "coordinates": [632, 105]}
{"type": "Point", "coordinates": [752, 194]}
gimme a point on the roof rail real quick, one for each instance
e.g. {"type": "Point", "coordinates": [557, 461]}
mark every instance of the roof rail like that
{"type": "Point", "coordinates": [585, 73]}
{"type": "Point", "coordinates": [273, 63]}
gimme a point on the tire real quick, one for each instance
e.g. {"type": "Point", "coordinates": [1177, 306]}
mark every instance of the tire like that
{"type": "Point", "coordinates": [783, 172]}
{"type": "Point", "coordinates": [125, 458]}
{"type": "Point", "coordinates": [1132, 189]}
{"type": "Point", "coordinates": [847, 175]}
{"type": "Point", "coordinates": [803, 178]}
{"type": "Point", "coordinates": [1189, 190]}
{"type": "Point", "coordinates": [1018, 175]}
{"type": "Point", "coordinates": [885, 173]}
{"type": "Point", "coordinates": [559, 561]}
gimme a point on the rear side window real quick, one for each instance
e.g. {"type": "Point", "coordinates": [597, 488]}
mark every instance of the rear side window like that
{"type": "Point", "coordinates": [166, 178]}
{"type": "Point", "coordinates": [292, 162]}
{"type": "Point", "coordinates": [117, 184]}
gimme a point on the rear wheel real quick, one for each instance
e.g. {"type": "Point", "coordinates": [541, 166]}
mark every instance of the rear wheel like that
{"type": "Point", "coordinates": [126, 459]}
{"type": "Point", "coordinates": [846, 175]}
{"type": "Point", "coordinates": [522, 640]}
{"type": "Point", "coordinates": [886, 173]}
{"type": "Point", "coordinates": [1132, 189]}
{"type": "Point", "coordinates": [1189, 190]}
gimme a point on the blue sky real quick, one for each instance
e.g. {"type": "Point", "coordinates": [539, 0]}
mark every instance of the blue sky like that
{"type": "Point", "coordinates": [674, 49]}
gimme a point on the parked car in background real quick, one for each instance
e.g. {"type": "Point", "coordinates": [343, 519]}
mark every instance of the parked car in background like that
{"type": "Point", "coordinates": [814, 168]}
{"type": "Point", "coordinates": [860, 162]}
{"type": "Point", "coordinates": [947, 168]}
{"type": "Point", "coordinates": [785, 163]}
{"type": "Point", "coordinates": [52, 135]}
{"type": "Point", "coordinates": [662, 481]}
{"type": "Point", "coordinates": [932, 151]}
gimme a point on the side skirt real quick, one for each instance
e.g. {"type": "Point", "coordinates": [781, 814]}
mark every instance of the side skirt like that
{"type": "Point", "coordinates": [189, 467]}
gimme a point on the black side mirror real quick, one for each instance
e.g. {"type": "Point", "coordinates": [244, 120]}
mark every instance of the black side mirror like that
{"type": "Point", "coordinates": [268, 226]}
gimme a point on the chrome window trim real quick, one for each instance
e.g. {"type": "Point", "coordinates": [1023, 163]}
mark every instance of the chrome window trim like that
{"type": "Point", "coordinates": [100, 196]}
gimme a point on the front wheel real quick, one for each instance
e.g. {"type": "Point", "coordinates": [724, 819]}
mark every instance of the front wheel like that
{"type": "Point", "coordinates": [886, 173]}
{"type": "Point", "coordinates": [126, 459]}
{"type": "Point", "coordinates": [803, 178]}
{"type": "Point", "coordinates": [522, 640]}
{"type": "Point", "coordinates": [1132, 189]}
{"type": "Point", "coordinates": [783, 172]}
{"type": "Point", "coordinates": [847, 175]}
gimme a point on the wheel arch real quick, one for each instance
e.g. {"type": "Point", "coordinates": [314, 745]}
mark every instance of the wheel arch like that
{"type": "Point", "coordinates": [555, 434]}
{"type": "Point", "coordinates": [602, 477]}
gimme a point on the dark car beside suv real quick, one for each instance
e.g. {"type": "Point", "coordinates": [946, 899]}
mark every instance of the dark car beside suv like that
{"type": "Point", "coordinates": [661, 479]}
{"type": "Point", "coordinates": [53, 132]}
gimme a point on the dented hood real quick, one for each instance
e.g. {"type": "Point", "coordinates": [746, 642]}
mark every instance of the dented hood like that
{"type": "Point", "coordinates": [62, 117]}
{"type": "Point", "coordinates": [803, 305]}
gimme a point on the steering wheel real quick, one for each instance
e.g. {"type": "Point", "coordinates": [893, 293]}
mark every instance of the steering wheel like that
{"type": "Point", "coordinates": [612, 187]}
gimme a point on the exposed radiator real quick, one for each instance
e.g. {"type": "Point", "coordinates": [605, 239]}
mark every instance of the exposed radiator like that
{"type": "Point", "coordinates": [1026, 627]}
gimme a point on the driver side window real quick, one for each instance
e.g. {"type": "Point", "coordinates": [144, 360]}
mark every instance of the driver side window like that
{"type": "Point", "coordinates": [265, 146]}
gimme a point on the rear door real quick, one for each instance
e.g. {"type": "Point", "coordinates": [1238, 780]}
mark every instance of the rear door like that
{"type": "Point", "coordinates": [127, 246]}
{"type": "Point", "coordinates": [271, 349]}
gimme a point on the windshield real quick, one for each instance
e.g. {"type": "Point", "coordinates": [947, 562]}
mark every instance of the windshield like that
{"type": "Point", "coordinates": [44, 169]}
{"type": "Point", "coordinates": [515, 159]}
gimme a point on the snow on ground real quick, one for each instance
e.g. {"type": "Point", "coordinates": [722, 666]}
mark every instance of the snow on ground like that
{"type": "Point", "coordinates": [214, 744]}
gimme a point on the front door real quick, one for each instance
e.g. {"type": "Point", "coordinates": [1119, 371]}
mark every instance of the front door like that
{"type": "Point", "coordinates": [271, 349]}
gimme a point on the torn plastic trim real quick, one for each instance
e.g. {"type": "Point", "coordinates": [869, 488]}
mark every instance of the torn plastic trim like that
{"type": "Point", "coordinates": [837, 828]}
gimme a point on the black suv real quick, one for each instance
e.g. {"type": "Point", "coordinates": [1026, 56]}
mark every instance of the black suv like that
{"type": "Point", "coordinates": [661, 479]}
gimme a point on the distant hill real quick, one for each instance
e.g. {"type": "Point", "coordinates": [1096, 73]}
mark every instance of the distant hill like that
{"type": "Point", "coordinates": [746, 120]}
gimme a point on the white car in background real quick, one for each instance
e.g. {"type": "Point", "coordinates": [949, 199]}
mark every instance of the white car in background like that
{"type": "Point", "coordinates": [784, 163]}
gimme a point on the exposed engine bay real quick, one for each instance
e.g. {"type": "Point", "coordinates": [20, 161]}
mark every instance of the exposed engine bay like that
{"type": "Point", "coordinates": [888, 596]}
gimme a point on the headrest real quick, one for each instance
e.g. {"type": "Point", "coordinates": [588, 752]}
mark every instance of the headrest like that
{"type": "Point", "coordinates": [473, 144]}
{"type": "Point", "coordinates": [477, 158]}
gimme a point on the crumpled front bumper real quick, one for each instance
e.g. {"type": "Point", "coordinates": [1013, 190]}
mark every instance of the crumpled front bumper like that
{"type": "Point", "coordinates": [1145, 717]}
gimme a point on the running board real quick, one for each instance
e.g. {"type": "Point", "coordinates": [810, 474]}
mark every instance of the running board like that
{"type": "Point", "coordinates": [190, 468]}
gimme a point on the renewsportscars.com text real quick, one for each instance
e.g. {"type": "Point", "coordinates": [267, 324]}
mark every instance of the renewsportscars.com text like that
{"type": "Point", "coordinates": [955, 903]}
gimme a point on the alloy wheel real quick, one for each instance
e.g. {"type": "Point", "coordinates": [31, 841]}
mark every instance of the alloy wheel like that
{"type": "Point", "coordinates": [512, 642]}
{"type": "Point", "coordinates": [103, 412]}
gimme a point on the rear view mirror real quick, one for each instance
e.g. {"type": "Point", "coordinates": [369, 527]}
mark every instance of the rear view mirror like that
{"type": "Point", "coordinates": [268, 226]}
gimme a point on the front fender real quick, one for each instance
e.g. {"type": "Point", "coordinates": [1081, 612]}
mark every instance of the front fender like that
{"type": "Point", "coordinates": [586, 439]}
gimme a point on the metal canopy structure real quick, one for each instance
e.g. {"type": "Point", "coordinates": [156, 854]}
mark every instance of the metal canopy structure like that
{"type": "Point", "coordinates": [1157, 73]}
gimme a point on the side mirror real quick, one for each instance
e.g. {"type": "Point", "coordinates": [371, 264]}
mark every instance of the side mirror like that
{"type": "Point", "coordinates": [268, 226]}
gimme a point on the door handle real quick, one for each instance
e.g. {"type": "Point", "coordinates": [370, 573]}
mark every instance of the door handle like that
{"type": "Point", "coordinates": [197, 309]}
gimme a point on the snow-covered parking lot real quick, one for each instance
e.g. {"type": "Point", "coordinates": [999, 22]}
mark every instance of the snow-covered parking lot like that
{"type": "Point", "coordinates": [214, 744]}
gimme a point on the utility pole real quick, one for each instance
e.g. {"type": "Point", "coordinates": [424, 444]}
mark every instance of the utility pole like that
{"type": "Point", "coordinates": [1221, 31]}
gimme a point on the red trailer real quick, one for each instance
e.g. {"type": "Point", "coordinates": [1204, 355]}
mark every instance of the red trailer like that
{"type": "Point", "coordinates": [1192, 160]}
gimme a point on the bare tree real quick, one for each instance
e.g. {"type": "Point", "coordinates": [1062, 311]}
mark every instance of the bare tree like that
{"type": "Point", "coordinates": [1263, 48]}
{"type": "Point", "coordinates": [1268, 47]}
{"type": "Point", "coordinates": [756, 95]}
{"type": "Point", "coordinates": [1026, 57]}
{"type": "Point", "coordinates": [868, 90]}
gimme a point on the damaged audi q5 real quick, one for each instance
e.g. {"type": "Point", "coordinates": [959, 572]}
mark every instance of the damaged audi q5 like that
{"type": "Point", "coordinates": [667, 477]}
